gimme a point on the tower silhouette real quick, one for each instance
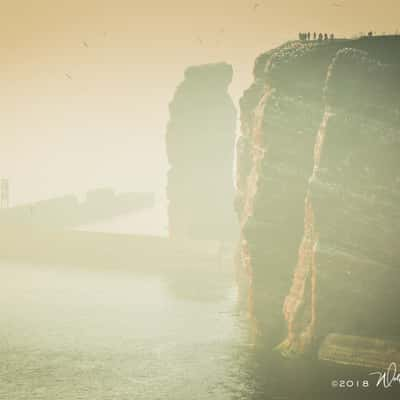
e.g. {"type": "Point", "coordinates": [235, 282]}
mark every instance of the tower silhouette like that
{"type": "Point", "coordinates": [4, 193]}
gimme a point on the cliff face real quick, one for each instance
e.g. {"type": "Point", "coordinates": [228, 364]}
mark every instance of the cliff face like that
{"type": "Point", "coordinates": [319, 189]}
{"type": "Point", "coordinates": [200, 145]}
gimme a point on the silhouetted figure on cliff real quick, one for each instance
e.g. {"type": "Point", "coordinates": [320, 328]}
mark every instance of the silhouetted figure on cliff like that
{"type": "Point", "coordinates": [315, 35]}
{"type": "Point", "coordinates": [370, 34]}
{"type": "Point", "coordinates": [320, 37]}
{"type": "Point", "coordinates": [326, 36]}
{"type": "Point", "coordinates": [304, 36]}
{"type": "Point", "coordinates": [332, 36]}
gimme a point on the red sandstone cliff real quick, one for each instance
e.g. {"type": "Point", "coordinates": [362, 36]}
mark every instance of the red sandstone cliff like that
{"type": "Point", "coordinates": [318, 191]}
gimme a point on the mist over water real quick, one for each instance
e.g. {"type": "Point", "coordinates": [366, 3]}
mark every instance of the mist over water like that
{"type": "Point", "coordinates": [215, 108]}
{"type": "Point", "coordinates": [70, 333]}
{"type": "Point", "coordinates": [152, 221]}
{"type": "Point", "coordinates": [73, 332]}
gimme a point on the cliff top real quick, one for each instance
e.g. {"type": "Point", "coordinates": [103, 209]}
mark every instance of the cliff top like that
{"type": "Point", "coordinates": [385, 49]}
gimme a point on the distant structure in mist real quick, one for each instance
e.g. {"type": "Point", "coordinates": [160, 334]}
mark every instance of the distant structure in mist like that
{"type": "Point", "coordinates": [67, 211]}
{"type": "Point", "coordinates": [4, 193]}
{"type": "Point", "coordinates": [200, 142]}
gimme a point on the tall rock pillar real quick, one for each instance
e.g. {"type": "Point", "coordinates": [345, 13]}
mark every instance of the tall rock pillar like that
{"type": "Point", "coordinates": [200, 146]}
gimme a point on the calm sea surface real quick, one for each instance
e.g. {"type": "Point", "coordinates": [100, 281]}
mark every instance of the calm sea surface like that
{"type": "Point", "coordinates": [73, 333]}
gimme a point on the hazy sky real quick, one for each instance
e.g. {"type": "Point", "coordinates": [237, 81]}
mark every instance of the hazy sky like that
{"type": "Point", "coordinates": [85, 84]}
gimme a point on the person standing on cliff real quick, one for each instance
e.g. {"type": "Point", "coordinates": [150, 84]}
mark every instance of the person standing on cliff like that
{"type": "Point", "coordinates": [315, 36]}
{"type": "Point", "coordinates": [302, 36]}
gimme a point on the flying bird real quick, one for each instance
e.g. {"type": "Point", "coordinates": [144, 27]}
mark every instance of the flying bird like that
{"type": "Point", "coordinates": [68, 76]}
{"type": "Point", "coordinates": [85, 44]}
{"type": "Point", "coordinates": [256, 5]}
{"type": "Point", "coordinates": [337, 4]}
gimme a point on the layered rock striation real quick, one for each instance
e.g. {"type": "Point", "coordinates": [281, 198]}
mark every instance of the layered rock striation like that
{"type": "Point", "coordinates": [319, 191]}
{"type": "Point", "coordinates": [200, 142]}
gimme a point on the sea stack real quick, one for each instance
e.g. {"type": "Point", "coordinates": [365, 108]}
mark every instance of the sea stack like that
{"type": "Point", "coordinates": [200, 146]}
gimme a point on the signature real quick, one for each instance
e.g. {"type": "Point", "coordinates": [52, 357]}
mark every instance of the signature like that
{"type": "Point", "coordinates": [387, 377]}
